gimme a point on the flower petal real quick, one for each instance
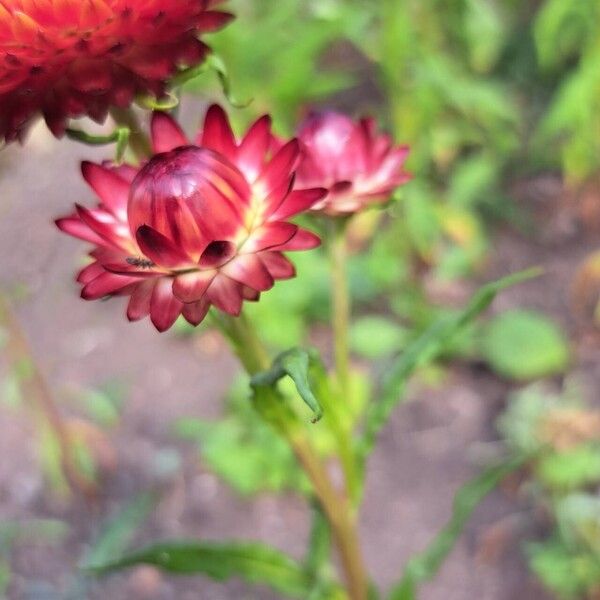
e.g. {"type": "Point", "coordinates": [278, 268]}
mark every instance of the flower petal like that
{"type": "Point", "coordinates": [77, 228]}
{"type": "Point", "coordinates": [268, 236]}
{"type": "Point", "coordinates": [226, 295]}
{"type": "Point", "coordinates": [190, 287]}
{"type": "Point", "coordinates": [280, 166]}
{"type": "Point", "coordinates": [166, 133]}
{"type": "Point", "coordinates": [254, 147]}
{"type": "Point", "coordinates": [302, 240]}
{"type": "Point", "coordinates": [298, 201]}
{"type": "Point", "coordinates": [110, 187]}
{"type": "Point", "coordinates": [249, 270]}
{"type": "Point", "coordinates": [194, 312]}
{"type": "Point", "coordinates": [164, 307]}
{"type": "Point", "coordinates": [105, 285]}
{"type": "Point", "coordinates": [216, 133]}
{"type": "Point", "coordinates": [139, 303]}
{"type": "Point", "coordinates": [277, 264]}
{"type": "Point", "coordinates": [159, 248]}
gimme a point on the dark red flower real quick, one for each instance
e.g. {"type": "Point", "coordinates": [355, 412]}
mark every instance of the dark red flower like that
{"type": "Point", "coordinates": [197, 225]}
{"type": "Point", "coordinates": [357, 165]}
{"type": "Point", "coordinates": [69, 58]}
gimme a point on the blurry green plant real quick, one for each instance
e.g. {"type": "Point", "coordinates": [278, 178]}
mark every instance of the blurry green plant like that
{"type": "Point", "coordinates": [562, 437]}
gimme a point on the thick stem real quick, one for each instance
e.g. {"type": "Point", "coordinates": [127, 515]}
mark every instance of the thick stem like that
{"type": "Point", "coordinates": [138, 140]}
{"type": "Point", "coordinates": [270, 406]}
{"type": "Point", "coordinates": [38, 391]}
{"type": "Point", "coordinates": [340, 301]}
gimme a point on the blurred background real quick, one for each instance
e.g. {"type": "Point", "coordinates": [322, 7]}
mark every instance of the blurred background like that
{"type": "Point", "coordinates": [500, 103]}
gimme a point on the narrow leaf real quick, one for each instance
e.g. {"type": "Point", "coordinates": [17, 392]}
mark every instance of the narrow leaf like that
{"type": "Point", "coordinates": [119, 531]}
{"type": "Point", "coordinates": [425, 565]}
{"type": "Point", "coordinates": [424, 349]}
{"type": "Point", "coordinates": [294, 363]}
{"type": "Point", "coordinates": [253, 562]}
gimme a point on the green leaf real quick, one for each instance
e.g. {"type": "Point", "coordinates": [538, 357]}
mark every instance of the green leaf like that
{"type": "Point", "coordinates": [425, 565]}
{"type": "Point", "coordinates": [426, 348]}
{"type": "Point", "coordinates": [570, 469]}
{"type": "Point", "coordinates": [294, 363]}
{"type": "Point", "coordinates": [119, 531]}
{"type": "Point", "coordinates": [374, 337]}
{"type": "Point", "coordinates": [524, 345]}
{"type": "Point", "coordinates": [253, 562]}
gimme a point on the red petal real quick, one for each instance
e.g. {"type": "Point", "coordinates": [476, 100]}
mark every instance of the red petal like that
{"type": "Point", "coordinates": [217, 134]}
{"type": "Point", "coordinates": [278, 265]}
{"type": "Point", "coordinates": [195, 312]}
{"type": "Point", "coordinates": [302, 240]}
{"type": "Point", "coordinates": [190, 287]}
{"type": "Point", "coordinates": [254, 147]}
{"type": "Point", "coordinates": [159, 248]}
{"type": "Point", "coordinates": [166, 133]}
{"type": "Point", "coordinates": [213, 20]}
{"type": "Point", "coordinates": [77, 228]}
{"type": "Point", "coordinates": [281, 166]}
{"type": "Point", "coordinates": [268, 236]}
{"type": "Point", "coordinates": [104, 285]}
{"type": "Point", "coordinates": [298, 201]}
{"type": "Point", "coordinates": [111, 188]}
{"type": "Point", "coordinates": [226, 295]}
{"type": "Point", "coordinates": [90, 272]}
{"type": "Point", "coordinates": [164, 307]}
{"type": "Point", "coordinates": [131, 270]}
{"type": "Point", "coordinates": [139, 303]}
{"type": "Point", "coordinates": [103, 224]}
{"type": "Point", "coordinates": [249, 270]}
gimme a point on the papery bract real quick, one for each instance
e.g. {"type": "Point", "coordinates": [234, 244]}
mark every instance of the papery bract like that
{"type": "Point", "coordinates": [198, 224]}
{"type": "Point", "coordinates": [356, 164]}
{"type": "Point", "coordinates": [70, 58]}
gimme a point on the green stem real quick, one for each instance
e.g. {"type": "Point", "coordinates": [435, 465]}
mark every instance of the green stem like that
{"type": "Point", "coordinates": [138, 140]}
{"type": "Point", "coordinates": [270, 405]}
{"type": "Point", "coordinates": [340, 301]}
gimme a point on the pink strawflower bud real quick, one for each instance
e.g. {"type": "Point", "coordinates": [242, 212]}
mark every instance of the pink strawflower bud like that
{"type": "Point", "coordinates": [70, 58]}
{"type": "Point", "coordinates": [199, 224]}
{"type": "Point", "coordinates": [356, 164]}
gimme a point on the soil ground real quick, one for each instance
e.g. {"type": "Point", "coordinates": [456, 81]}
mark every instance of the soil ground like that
{"type": "Point", "coordinates": [423, 457]}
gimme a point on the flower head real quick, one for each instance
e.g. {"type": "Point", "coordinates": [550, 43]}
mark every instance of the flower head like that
{"type": "Point", "coordinates": [357, 165]}
{"type": "Point", "coordinates": [199, 224]}
{"type": "Point", "coordinates": [69, 58]}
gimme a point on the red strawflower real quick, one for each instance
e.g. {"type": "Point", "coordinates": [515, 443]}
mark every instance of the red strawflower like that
{"type": "Point", "coordinates": [357, 165]}
{"type": "Point", "coordinates": [197, 224]}
{"type": "Point", "coordinates": [70, 58]}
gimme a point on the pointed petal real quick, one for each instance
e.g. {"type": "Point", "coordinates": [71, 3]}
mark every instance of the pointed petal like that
{"type": "Point", "coordinates": [166, 133]}
{"type": "Point", "coordinates": [249, 270]}
{"type": "Point", "coordinates": [104, 225]}
{"type": "Point", "coordinates": [77, 228]}
{"type": "Point", "coordinates": [298, 201]}
{"type": "Point", "coordinates": [226, 295]}
{"type": "Point", "coordinates": [139, 303]}
{"type": "Point", "coordinates": [250, 294]}
{"type": "Point", "coordinates": [280, 167]}
{"type": "Point", "coordinates": [121, 268]}
{"type": "Point", "coordinates": [110, 187]}
{"type": "Point", "coordinates": [90, 272]}
{"type": "Point", "coordinates": [104, 285]}
{"type": "Point", "coordinates": [254, 147]}
{"type": "Point", "coordinates": [217, 134]}
{"type": "Point", "coordinates": [164, 307]}
{"type": "Point", "coordinates": [194, 312]}
{"type": "Point", "coordinates": [190, 287]}
{"type": "Point", "coordinates": [302, 240]}
{"type": "Point", "coordinates": [268, 236]}
{"type": "Point", "coordinates": [278, 265]}
{"type": "Point", "coordinates": [159, 248]}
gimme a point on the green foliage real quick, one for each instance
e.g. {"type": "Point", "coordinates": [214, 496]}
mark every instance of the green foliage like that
{"type": "Point", "coordinates": [297, 364]}
{"type": "Point", "coordinates": [374, 337]}
{"type": "Point", "coordinates": [119, 531]}
{"type": "Point", "coordinates": [566, 36]}
{"type": "Point", "coordinates": [524, 345]}
{"type": "Point", "coordinates": [424, 349]}
{"type": "Point", "coordinates": [242, 449]}
{"type": "Point", "coordinates": [253, 562]}
{"type": "Point", "coordinates": [425, 565]}
{"type": "Point", "coordinates": [571, 469]}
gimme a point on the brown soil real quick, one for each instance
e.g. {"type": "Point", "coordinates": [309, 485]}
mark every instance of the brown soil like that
{"type": "Point", "coordinates": [428, 450]}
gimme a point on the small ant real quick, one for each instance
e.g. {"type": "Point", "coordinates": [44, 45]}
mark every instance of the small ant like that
{"type": "Point", "coordinates": [143, 263]}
